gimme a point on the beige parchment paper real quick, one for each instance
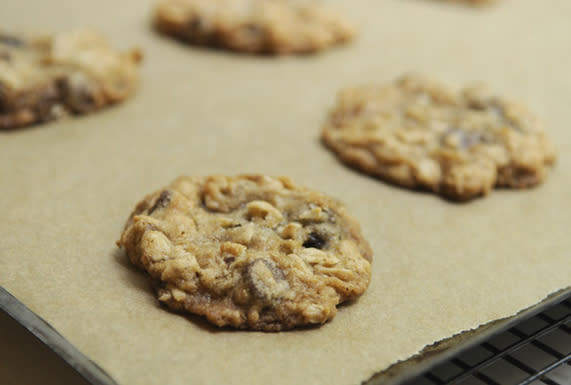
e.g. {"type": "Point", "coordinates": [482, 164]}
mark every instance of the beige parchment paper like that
{"type": "Point", "coordinates": [67, 188]}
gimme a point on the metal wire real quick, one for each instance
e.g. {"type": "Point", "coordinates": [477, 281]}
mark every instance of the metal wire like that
{"type": "Point", "coordinates": [481, 372]}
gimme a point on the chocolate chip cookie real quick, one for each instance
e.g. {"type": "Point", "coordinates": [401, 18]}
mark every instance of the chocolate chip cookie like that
{"type": "Point", "coordinates": [249, 252]}
{"type": "Point", "coordinates": [253, 26]}
{"type": "Point", "coordinates": [420, 134]}
{"type": "Point", "coordinates": [46, 78]}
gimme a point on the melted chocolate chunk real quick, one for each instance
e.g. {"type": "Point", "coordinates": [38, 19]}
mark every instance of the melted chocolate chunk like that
{"type": "Point", "coordinates": [254, 29]}
{"type": "Point", "coordinates": [196, 24]}
{"type": "Point", "coordinates": [3, 103]}
{"type": "Point", "coordinates": [466, 139]}
{"type": "Point", "coordinates": [11, 41]}
{"type": "Point", "coordinates": [251, 31]}
{"type": "Point", "coordinates": [77, 95]}
{"type": "Point", "coordinates": [81, 100]}
{"type": "Point", "coordinates": [315, 240]}
{"type": "Point", "coordinates": [261, 287]}
{"type": "Point", "coordinates": [162, 202]}
{"type": "Point", "coordinates": [45, 102]}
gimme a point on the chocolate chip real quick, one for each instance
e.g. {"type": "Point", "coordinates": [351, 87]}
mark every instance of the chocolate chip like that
{"type": "Point", "coordinates": [465, 139]}
{"type": "Point", "coordinates": [315, 240]}
{"type": "Point", "coordinates": [11, 41]}
{"type": "Point", "coordinates": [249, 32]}
{"type": "Point", "coordinates": [77, 93]}
{"type": "Point", "coordinates": [5, 56]}
{"type": "Point", "coordinates": [162, 201]}
{"type": "Point", "coordinates": [196, 24]}
{"type": "Point", "coordinates": [3, 97]}
{"type": "Point", "coordinates": [253, 29]}
{"type": "Point", "coordinates": [45, 103]}
{"type": "Point", "coordinates": [478, 104]}
{"type": "Point", "coordinates": [81, 100]}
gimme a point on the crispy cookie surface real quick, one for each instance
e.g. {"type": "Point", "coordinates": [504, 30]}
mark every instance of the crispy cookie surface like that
{"type": "Point", "coordinates": [254, 26]}
{"type": "Point", "coordinates": [42, 79]}
{"type": "Point", "coordinates": [250, 252]}
{"type": "Point", "coordinates": [418, 133]}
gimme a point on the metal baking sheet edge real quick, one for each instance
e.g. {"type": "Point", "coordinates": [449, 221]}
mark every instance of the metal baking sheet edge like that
{"type": "Point", "coordinates": [44, 332]}
{"type": "Point", "coordinates": [394, 375]}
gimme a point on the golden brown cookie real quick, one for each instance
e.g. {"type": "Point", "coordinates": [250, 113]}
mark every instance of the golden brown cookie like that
{"type": "Point", "coordinates": [42, 79]}
{"type": "Point", "coordinates": [254, 26]}
{"type": "Point", "coordinates": [250, 252]}
{"type": "Point", "coordinates": [420, 134]}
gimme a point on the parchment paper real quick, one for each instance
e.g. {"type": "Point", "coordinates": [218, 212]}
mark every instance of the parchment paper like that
{"type": "Point", "coordinates": [439, 268]}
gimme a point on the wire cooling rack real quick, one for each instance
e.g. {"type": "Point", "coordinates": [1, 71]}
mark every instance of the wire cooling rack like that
{"type": "Point", "coordinates": [536, 351]}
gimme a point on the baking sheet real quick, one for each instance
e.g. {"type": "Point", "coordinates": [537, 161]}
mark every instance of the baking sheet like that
{"type": "Point", "coordinates": [26, 361]}
{"type": "Point", "coordinates": [439, 268]}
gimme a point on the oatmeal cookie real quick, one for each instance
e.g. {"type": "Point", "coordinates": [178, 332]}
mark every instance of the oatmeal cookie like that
{"type": "Point", "coordinates": [250, 252]}
{"type": "Point", "coordinates": [419, 134]}
{"type": "Point", "coordinates": [253, 26]}
{"type": "Point", "coordinates": [42, 79]}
